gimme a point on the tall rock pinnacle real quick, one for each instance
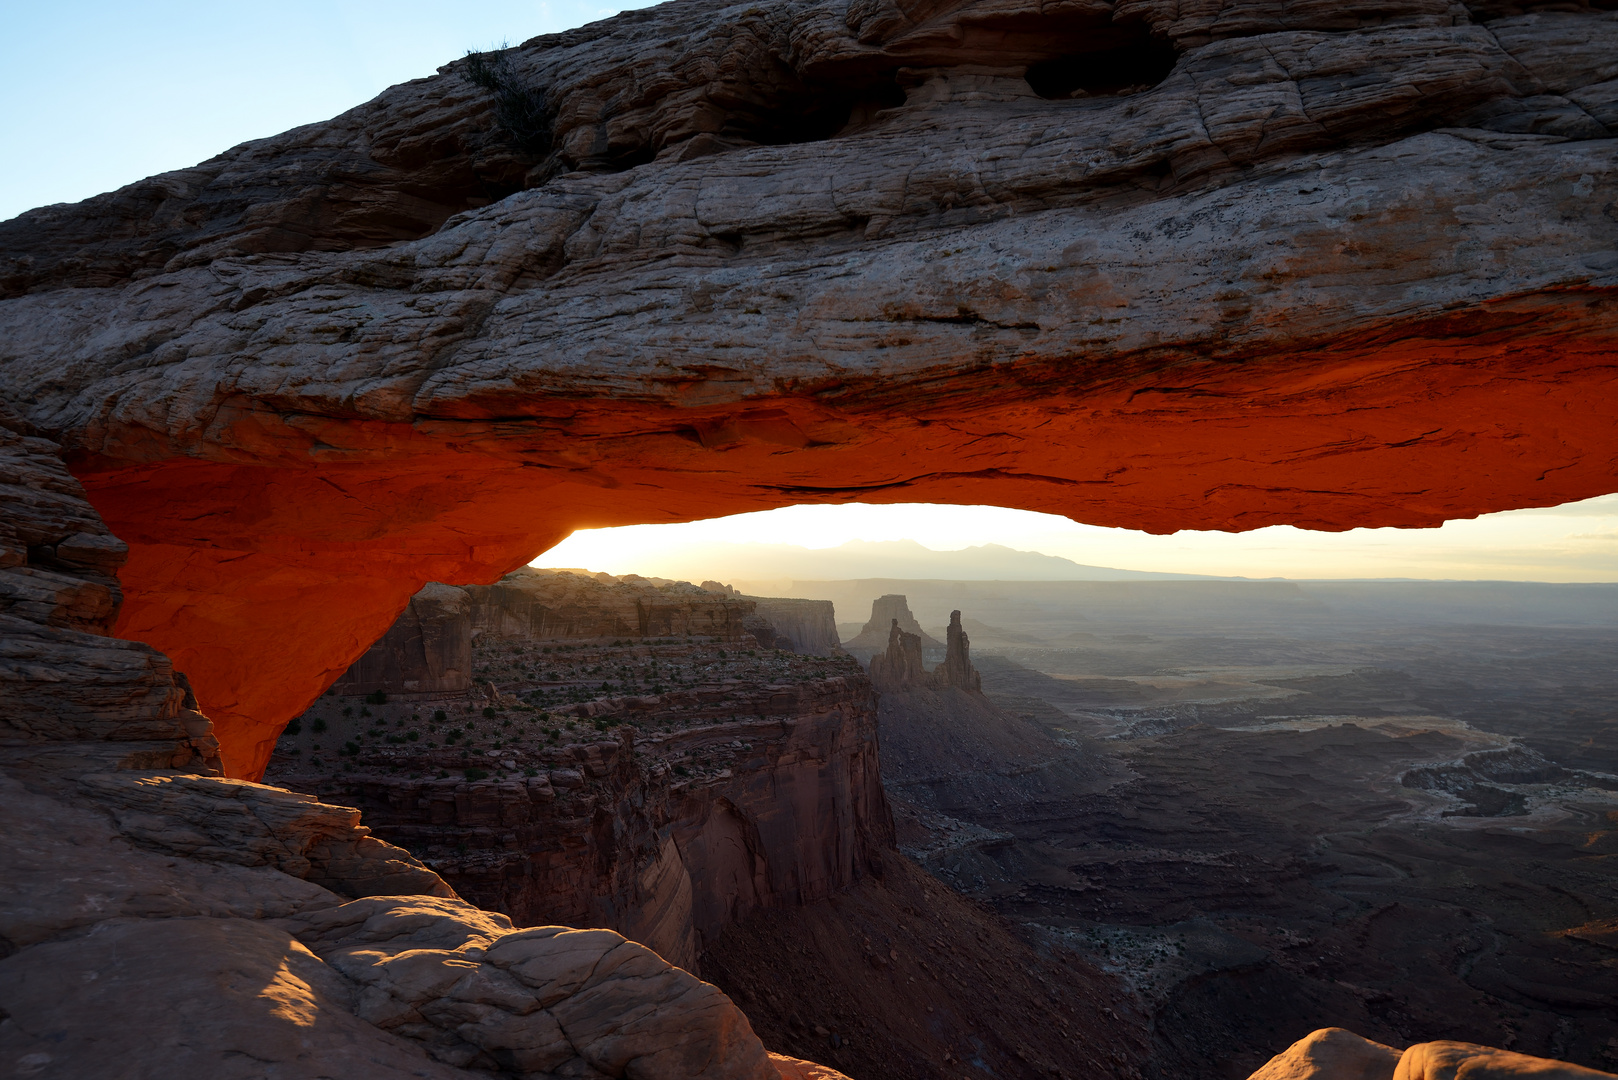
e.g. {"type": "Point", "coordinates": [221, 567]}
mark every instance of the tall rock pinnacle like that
{"type": "Point", "coordinates": [957, 669]}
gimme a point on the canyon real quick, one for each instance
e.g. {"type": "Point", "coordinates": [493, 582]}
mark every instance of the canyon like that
{"type": "Point", "coordinates": [1274, 808]}
{"type": "Point", "coordinates": [1218, 265]}
{"type": "Point", "coordinates": [716, 800]}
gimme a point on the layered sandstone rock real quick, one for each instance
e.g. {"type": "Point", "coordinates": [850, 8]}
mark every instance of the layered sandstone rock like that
{"type": "Point", "coordinates": [427, 652]}
{"type": "Point", "coordinates": [1330, 266]}
{"type": "Point", "coordinates": [800, 626]}
{"type": "Point", "coordinates": [72, 698]}
{"type": "Point", "coordinates": [1335, 1054]}
{"type": "Point", "coordinates": [545, 605]}
{"type": "Point", "coordinates": [899, 668]}
{"type": "Point", "coordinates": [886, 612]}
{"type": "Point", "coordinates": [1225, 266]}
{"type": "Point", "coordinates": [957, 669]}
{"type": "Point", "coordinates": [428, 649]}
{"type": "Point", "coordinates": [720, 798]}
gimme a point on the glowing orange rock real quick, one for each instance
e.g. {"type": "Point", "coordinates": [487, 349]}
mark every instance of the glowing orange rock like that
{"type": "Point", "coordinates": [1297, 268]}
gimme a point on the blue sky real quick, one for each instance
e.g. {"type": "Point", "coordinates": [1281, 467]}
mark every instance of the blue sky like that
{"type": "Point", "coordinates": [98, 95]}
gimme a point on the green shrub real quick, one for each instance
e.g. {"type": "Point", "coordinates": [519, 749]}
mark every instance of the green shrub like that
{"type": "Point", "coordinates": [318, 725]}
{"type": "Point", "coordinates": [488, 712]}
{"type": "Point", "coordinates": [439, 716]}
{"type": "Point", "coordinates": [295, 727]}
{"type": "Point", "coordinates": [476, 774]}
{"type": "Point", "coordinates": [376, 697]}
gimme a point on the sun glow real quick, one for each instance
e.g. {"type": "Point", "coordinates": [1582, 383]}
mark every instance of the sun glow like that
{"type": "Point", "coordinates": [1575, 542]}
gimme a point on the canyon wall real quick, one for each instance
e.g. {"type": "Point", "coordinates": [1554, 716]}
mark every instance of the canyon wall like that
{"type": "Point", "coordinates": [540, 605]}
{"type": "Point", "coordinates": [428, 649]}
{"type": "Point", "coordinates": [708, 778]}
{"type": "Point", "coordinates": [608, 835]}
{"type": "Point", "coordinates": [802, 626]}
{"type": "Point", "coordinates": [1140, 265]}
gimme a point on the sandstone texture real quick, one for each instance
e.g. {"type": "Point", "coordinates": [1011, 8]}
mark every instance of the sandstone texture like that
{"type": "Point", "coordinates": [158, 920]}
{"type": "Point", "coordinates": [1335, 1054]}
{"type": "Point", "coordinates": [899, 667]}
{"type": "Point", "coordinates": [1331, 1052]}
{"type": "Point", "coordinates": [703, 782]}
{"type": "Point", "coordinates": [1220, 265]}
{"type": "Point", "coordinates": [72, 697]}
{"type": "Point", "coordinates": [801, 626]}
{"type": "Point", "coordinates": [876, 635]}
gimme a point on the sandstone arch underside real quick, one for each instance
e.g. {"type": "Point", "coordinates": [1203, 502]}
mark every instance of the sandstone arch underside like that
{"type": "Point", "coordinates": [1347, 265]}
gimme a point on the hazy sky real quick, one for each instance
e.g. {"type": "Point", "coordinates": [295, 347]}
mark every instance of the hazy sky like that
{"type": "Point", "coordinates": [1577, 542]}
{"type": "Point", "coordinates": [100, 94]}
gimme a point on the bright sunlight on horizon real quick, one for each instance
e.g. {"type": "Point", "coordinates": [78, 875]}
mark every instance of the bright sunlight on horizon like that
{"type": "Point", "coordinates": [1577, 542]}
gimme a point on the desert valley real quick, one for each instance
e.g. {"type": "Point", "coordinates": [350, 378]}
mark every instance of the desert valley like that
{"type": "Point", "coordinates": [1206, 817]}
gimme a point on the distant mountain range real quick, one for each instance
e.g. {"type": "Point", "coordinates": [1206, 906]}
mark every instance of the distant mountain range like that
{"type": "Point", "coordinates": [857, 559]}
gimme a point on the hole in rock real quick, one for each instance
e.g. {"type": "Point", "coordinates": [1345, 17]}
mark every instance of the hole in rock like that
{"type": "Point", "coordinates": [812, 112]}
{"type": "Point", "coordinates": [1139, 64]}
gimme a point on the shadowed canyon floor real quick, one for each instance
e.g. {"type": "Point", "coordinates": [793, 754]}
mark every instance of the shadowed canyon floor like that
{"type": "Point", "coordinates": [1284, 823]}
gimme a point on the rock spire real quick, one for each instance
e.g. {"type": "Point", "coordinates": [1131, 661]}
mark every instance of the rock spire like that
{"type": "Point", "coordinates": [900, 666]}
{"type": "Point", "coordinates": [957, 669]}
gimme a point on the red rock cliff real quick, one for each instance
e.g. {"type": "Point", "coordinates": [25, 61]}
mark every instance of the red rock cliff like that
{"type": "Point", "coordinates": [1274, 264]}
{"type": "Point", "coordinates": [733, 793]}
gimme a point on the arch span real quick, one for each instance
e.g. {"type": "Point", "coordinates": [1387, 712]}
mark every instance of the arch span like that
{"type": "Point", "coordinates": [1332, 275]}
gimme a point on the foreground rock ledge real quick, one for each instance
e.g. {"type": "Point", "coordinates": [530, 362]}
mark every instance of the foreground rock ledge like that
{"type": "Point", "coordinates": [1334, 268]}
{"type": "Point", "coordinates": [1335, 1054]}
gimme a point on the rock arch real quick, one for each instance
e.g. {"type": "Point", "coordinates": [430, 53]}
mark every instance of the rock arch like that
{"type": "Point", "coordinates": [1341, 269]}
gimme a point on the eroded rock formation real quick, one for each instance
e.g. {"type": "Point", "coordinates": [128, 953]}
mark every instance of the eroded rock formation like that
{"type": "Point", "coordinates": [427, 650]}
{"type": "Point", "coordinates": [899, 668]}
{"type": "Point", "coordinates": [887, 612]}
{"type": "Point", "coordinates": [158, 920]}
{"type": "Point", "coordinates": [1143, 264]}
{"type": "Point", "coordinates": [800, 626]}
{"type": "Point", "coordinates": [1335, 1054]}
{"type": "Point", "coordinates": [717, 800]}
{"type": "Point", "coordinates": [548, 605]}
{"type": "Point", "coordinates": [72, 698]}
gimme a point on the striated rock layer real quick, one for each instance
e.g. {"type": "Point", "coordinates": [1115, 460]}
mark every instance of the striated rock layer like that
{"type": "Point", "coordinates": [1223, 265]}
{"type": "Point", "coordinates": [754, 784]}
{"type": "Point", "coordinates": [1335, 1054]}
{"type": "Point", "coordinates": [899, 667]}
{"type": "Point", "coordinates": [157, 920]}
